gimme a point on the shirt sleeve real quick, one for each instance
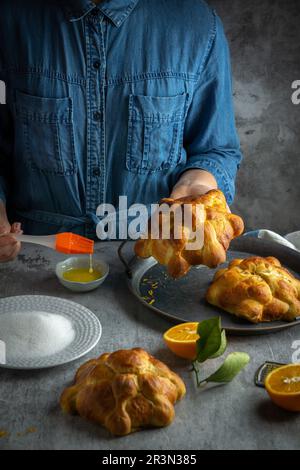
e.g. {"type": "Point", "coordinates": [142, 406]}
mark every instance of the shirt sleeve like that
{"type": "Point", "coordinates": [3, 120]}
{"type": "Point", "coordinates": [6, 143]}
{"type": "Point", "coordinates": [211, 139]}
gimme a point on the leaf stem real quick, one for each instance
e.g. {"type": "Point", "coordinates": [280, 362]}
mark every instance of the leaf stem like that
{"type": "Point", "coordinates": [195, 369]}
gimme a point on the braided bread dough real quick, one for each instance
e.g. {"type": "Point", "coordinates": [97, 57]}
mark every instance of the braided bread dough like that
{"type": "Point", "coordinates": [258, 289]}
{"type": "Point", "coordinates": [124, 392]}
{"type": "Point", "coordinates": [220, 228]}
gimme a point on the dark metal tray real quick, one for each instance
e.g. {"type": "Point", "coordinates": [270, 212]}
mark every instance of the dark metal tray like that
{"type": "Point", "coordinates": [183, 300]}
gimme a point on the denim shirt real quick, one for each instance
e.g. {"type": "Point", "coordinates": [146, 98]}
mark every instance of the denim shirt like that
{"type": "Point", "coordinates": [109, 100]}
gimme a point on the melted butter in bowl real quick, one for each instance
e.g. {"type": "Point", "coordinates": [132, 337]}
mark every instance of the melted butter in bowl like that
{"type": "Point", "coordinates": [82, 275]}
{"type": "Point", "coordinates": [77, 275]}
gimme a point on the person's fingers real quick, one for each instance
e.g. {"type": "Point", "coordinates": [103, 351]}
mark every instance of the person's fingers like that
{"type": "Point", "coordinates": [9, 246]}
{"type": "Point", "coordinates": [14, 252]}
{"type": "Point", "coordinates": [183, 190]}
{"type": "Point", "coordinates": [4, 227]}
{"type": "Point", "coordinates": [4, 223]}
{"type": "Point", "coordinates": [7, 239]}
{"type": "Point", "coordinates": [9, 252]}
{"type": "Point", "coordinates": [10, 257]}
{"type": "Point", "coordinates": [16, 228]}
{"type": "Point", "coordinates": [179, 192]}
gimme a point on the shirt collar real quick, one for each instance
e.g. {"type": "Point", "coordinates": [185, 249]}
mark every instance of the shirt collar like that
{"type": "Point", "coordinates": [116, 10]}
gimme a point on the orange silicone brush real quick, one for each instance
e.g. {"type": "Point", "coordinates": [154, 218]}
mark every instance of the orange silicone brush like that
{"type": "Point", "coordinates": [67, 243]}
{"type": "Point", "coordinates": [70, 243]}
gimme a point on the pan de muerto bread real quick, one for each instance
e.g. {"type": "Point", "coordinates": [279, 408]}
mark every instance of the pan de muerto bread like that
{"type": "Point", "coordinates": [258, 289]}
{"type": "Point", "coordinates": [219, 228]}
{"type": "Point", "coordinates": [124, 391]}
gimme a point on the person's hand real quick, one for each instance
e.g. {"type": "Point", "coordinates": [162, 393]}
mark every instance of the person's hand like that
{"type": "Point", "coordinates": [194, 183]}
{"type": "Point", "coordinates": [9, 246]}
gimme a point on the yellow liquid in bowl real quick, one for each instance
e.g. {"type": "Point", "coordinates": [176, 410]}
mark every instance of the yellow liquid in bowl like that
{"type": "Point", "coordinates": [82, 275]}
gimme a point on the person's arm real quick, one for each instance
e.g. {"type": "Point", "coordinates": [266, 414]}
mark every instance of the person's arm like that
{"type": "Point", "coordinates": [211, 140]}
{"type": "Point", "coordinates": [9, 247]}
{"type": "Point", "coordinates": [6, 144]}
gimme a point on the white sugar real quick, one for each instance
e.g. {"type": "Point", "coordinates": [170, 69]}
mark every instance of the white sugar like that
{"type": "Point", "coordinates": [34, 335]}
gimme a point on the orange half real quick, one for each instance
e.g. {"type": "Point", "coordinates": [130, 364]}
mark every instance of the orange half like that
{"type": "Point", "coordinates": [181, 340]}
{"type": "Point", "coordinates": [283, 386]}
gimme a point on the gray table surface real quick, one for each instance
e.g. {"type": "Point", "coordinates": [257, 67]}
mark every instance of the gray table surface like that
{"type": "Point", "coordinates": [235, 416]}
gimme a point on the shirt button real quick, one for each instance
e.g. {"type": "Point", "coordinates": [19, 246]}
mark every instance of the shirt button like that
{"type": "Point", "coordinates": [97, 116]}
{"type": "Point", "coordinates": [96, 172]}
{"type": "Point", "coordinates": [96, 64]}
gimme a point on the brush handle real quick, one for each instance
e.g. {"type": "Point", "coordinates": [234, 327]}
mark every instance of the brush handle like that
{"type": "Point", "coordinates": [48, 240]}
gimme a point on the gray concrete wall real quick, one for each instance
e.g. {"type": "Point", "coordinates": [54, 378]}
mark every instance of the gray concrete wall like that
{"type": "Point", "coordinates": [264, 37]}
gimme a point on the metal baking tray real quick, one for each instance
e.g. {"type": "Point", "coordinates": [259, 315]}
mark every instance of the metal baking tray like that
{"type": "Point", "coordinates": [183, 300]}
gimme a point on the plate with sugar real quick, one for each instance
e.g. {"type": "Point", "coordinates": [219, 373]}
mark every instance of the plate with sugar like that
{"type": "Point", "coordinates": [38, 331]}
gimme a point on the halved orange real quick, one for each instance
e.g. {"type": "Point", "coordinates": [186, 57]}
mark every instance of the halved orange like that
{"type": "Point", "coordinates": [181, 340]}
{"type": "Point", "coordinates": [283, 386]}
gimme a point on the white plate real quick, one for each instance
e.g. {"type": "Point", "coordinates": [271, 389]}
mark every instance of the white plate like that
{"type": "Point", "coordinates": [85, 324]}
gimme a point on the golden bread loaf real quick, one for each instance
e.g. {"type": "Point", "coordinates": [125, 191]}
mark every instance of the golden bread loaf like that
{"type": "Point", "coordinates": [220, 228]}
{"type": "Point", "coordinates": [257, 289]}
{"type": "Point", "coordinates": [124, 392]}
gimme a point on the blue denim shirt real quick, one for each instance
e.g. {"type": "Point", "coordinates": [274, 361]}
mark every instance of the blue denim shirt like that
{"type": "Point", "coordinates": [108, 100]}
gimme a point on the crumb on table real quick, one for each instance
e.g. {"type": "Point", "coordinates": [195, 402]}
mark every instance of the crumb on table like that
{"type": "Point", "coordinates": [28, 431]}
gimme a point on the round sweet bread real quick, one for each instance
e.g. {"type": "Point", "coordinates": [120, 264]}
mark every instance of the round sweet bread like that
{"type": "Point", "coordinates": [219, 228]}
{"type": "Point", "coordinates": [257, 289]}
{"type": "Point", "coordinates": [124, 392]}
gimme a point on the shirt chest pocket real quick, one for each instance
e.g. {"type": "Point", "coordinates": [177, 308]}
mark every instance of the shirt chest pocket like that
{"type": "Point", "coordinates": [155, 132]}
{"type": "Point", "coordinates": [45, 134]}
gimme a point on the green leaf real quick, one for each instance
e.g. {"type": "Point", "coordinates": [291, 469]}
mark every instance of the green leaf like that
{"type": "Point", "coordinates": [210, 340]}
{"type": "Point", "coordinates": [232, 366]}
{"type": "Point", "coordinates": [223, 346]}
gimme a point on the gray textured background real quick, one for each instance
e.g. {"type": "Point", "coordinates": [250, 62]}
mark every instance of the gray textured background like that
{"type": "Point", "coordinates": [264, 38]}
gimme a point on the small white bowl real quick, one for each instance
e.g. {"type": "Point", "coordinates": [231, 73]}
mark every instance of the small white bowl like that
{"type": "Point", "coordinates": [81, 262]}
